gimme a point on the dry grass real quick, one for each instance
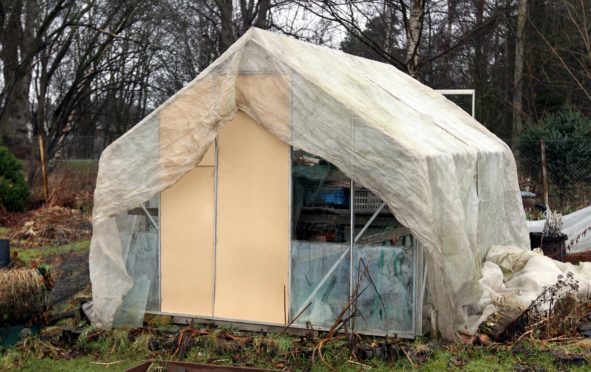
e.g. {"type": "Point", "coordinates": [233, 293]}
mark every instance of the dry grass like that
{"type": "Point", "coordinates": [22, 292]}
{"type": "Point", "coordinates": [53, 226]}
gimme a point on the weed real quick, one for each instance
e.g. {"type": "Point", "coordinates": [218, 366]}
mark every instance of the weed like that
{"type": "Point", "coordinates": [10, 359]}
{"type": "Point", "coordinates": [141, 344]}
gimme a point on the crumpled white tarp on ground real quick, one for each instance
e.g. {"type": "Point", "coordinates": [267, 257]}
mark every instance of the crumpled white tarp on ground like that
{"type": "Point", "coordinates": [445, 176]}
{"type": "Point", "coordinates": [514, 277]}
{"type": "Point", "coordinates": [574, 224]}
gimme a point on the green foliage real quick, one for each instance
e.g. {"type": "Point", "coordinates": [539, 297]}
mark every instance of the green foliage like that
{"type": "Point", "coordinates": [567, 137]}
{"type": "Point", "coordinates": [43, 253]}
{"type": "Point", "coordinates": [14, 191]}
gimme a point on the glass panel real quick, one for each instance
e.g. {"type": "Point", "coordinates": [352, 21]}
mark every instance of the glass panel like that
{"type": "Point", "coordinates": [384, 252]}
{"type": "Point", "coordinates": [384, 267]}
{"type": "Point", "coordinates": [387, 302]}
{"type": "Point", "coordinates": [320, 278]}
{"type": "Point", "coordinates": [141, 252]}
{"type": "Point", "coordinates": [320, 248]}
{"type": "Point", "coordinates": [320, 200]}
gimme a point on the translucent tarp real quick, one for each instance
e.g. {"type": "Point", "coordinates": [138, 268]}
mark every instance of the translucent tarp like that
{"type": "Point", "coordinates": [444, 176]}
{"type": "Point", "coordinates": [577, 226]}
{"type": "Point", "coordinates": [515, 277]}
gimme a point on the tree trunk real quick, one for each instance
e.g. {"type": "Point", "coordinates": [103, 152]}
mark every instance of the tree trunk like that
{"type": "Point", "coordinates": [226, 9]}
{"type": "Point", "coordinates": [518, 76]}
{"type": "Point", "coordinates": [17, 48]}
{"type": "Point", "coordinates": [263, 14]}
{"type": "Point", "coordinates": [413, 35]}
{"type": "Point", "coordinates": [480, 62]}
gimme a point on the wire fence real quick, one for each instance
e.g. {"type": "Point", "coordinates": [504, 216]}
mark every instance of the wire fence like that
{"type": "Point", "coordinates": [72, 167]}
{"type": "Point", "coordinates": [567, 164]}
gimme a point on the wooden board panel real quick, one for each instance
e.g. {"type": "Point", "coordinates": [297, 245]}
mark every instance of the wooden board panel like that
{"type": "Point", "coordinates": [187, 225]}
{"type": "Point", "coordinates": [252, 251]}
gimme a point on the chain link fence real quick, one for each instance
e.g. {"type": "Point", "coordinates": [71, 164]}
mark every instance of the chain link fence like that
{"type": "Point", "coordinates": [568, 171]}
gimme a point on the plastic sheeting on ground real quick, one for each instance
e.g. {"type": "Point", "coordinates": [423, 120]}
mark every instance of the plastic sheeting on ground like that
{"type": "Point", "coordinates": [577, 226]}
{"type": "Point", "coordinates": [445, 177]}
{"type": "Point", "coordinates": [514, 277]}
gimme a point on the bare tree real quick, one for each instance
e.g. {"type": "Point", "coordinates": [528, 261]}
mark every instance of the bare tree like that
{"type": "Point", "coordinates": [18, 46]}
{"type": "Point", "coordinates": [518, 77]}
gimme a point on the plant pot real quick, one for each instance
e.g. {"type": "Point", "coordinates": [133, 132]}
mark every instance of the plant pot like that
{"type": "Point", "coordinates": [4, 253]}
{"type": "Point", "coordinates": [553, 246]}
{"type": "Point", "coordinates": [12, 334]}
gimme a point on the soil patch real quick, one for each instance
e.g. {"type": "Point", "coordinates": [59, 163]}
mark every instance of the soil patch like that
{"type": "Point", "coordinates": [48, 226]}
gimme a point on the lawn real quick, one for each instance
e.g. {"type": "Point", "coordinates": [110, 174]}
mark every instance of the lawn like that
{"type": "Point", "coordinates": [120, 349]}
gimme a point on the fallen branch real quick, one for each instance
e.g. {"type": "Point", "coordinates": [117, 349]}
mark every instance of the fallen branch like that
{"type": "Point", "coordinates": [106, 364]}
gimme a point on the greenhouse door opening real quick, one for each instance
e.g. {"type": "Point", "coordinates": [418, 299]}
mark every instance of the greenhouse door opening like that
{"type": "Point", "coordinates": [334, 219]}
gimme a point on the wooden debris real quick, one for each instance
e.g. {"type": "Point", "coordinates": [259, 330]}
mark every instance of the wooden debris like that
{"type": "Point", "coordinates": [497, 322]}
{"type": "Point", "coordinates": [53, 226]}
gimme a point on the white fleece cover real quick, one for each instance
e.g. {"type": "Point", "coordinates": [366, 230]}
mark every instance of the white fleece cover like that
{"type": "Point", "coordinates": [577, 226]}
{"type": "Point", "coordinates": [514, 277]}
{"type": "Point", "coordinates": [445, 176]}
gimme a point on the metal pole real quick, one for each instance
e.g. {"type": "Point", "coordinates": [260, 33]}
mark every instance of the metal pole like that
{"type": "Point", "coordinates": [328, 274]}
{"type": "Point", "coordinates": [373, 217]}
{"type": "Point", "coordinates": [351, 235]}
{"type": "Point", "coordinates": [543, 171]}
{"type": "Point", "coordinates": [215, 223]}
{"type": "Point", "coordinates": [43, 170]}
{"type": "Point", "coordinates": [152, 220]}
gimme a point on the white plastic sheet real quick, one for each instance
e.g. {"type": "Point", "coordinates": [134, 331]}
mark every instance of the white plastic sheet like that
{"type": "Point", "coordinates": [577, 226]}
{"type": "Point", "coordinates": [514, 277]}
{"type": "Point", "coordinates": [444, 176]}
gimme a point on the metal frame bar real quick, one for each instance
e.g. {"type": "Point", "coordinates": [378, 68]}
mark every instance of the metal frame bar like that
{"type": "Point", "coordinates": [290, 227]}
{"type": "Point", "coordinates": [151, 218]}
{"type": "Point", "coordinates": [290, 207]}
{"type": "Point", "coordinates": [237, 322]}
{"type": "Point", "coordinates": [351, 237]}
{"type": "Point", "coordinates": [369, 222]}
{"type": "Point", "coordinates": [423, 267]}
{"type": "Point", "coordinates": [215, 223]}
{"type": "Point", "coordinates": [159, 254]}
{"type": "Point", "coordinates": [332, 269]}
{"type": "Point", "coordinates": [416, 275]}
{"type": "Point", "coordinates": [461, 92]}
{"type": "Point", "coordinates": [131, 235]}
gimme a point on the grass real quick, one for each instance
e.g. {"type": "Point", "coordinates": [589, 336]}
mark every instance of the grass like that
{"type": "Point", "coordinates": [4, 232]}
{"type": "Point", "coordinates": [118, 363]}
{"type": "Point", "coordinates": [35, 254]}
{"type": "Point", "coordinates": [39, 253]}
{"type": "Point", "coordinates": [221, 346]}
{"type": "Point", "coordinates": [86, 165]}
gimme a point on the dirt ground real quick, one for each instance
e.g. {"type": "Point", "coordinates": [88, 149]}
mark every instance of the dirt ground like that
{"type": "Point", "coordinates": [71, 275]}
{"type": "Point", "coordinates": [54, 237]}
